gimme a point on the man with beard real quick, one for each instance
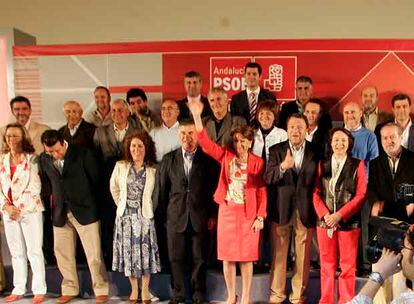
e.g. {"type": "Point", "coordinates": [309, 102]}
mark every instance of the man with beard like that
{"type": "Point", "coordinates": [373, 116]}
{"type": "Point", "coordinates": [138, 104]}
{"type": "Point", "coordinates": [392, 168]}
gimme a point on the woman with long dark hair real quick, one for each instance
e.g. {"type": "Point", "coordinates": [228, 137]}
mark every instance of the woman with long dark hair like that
{"type": "Point", "coordinates": [135, 242]}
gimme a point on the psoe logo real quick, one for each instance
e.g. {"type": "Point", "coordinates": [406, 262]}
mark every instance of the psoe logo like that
{"type": "Point", "coordinates": [278, 74]}
{"type": "Point", "coordinates": [275, 80]}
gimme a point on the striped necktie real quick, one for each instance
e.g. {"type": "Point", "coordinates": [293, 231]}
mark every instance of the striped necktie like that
{"type": "Point", "coordinates": [253, 107]}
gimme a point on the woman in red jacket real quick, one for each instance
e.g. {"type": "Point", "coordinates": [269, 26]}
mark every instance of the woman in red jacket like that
{"type": "Point", "coordinates": [241, 195]}
{"type": "Point", "coordinates": [338, 198]}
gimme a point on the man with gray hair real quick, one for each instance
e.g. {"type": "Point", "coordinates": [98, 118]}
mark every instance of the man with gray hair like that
{"type": "Point", "coordinates": [220, 123]}
{"type": "Point", "coordinates": [391, 168]}
{"type": "Point", "coordinates": [108, 141]}
{"type": "Point", "coordinates": [77, 131]}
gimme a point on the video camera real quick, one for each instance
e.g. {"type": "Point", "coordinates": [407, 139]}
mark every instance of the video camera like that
{"type": "Point", "coordinates": [391, 234]}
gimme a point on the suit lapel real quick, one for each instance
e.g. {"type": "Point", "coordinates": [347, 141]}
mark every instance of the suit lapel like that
{"type": "Point", "coordinates": [180, 163]}
{"type": "Point", "coordinates": [110, 134]}
{"type": "Point", "coordinates": [307, 156]}
{"type": "Point", "coordinates": [5, 174]}
{"type": "Point", "coordinates": [211, 129]}
{"type": "Point", "coordinates": [401, 164]}
{"type": "Point", "coordinates": [226, 125]}
{"type": "Point", "coordinates": [386, 167]}
{"type": "Point", "coordinates": [411, 138]}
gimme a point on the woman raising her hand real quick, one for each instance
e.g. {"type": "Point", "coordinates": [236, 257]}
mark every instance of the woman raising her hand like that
{"type": "Point", "coordinates": [241, 195]}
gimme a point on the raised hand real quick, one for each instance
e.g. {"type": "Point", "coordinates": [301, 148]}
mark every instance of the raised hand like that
{"type": "Point", "coordinates": [196, 107]}
{"type": "Point", "coordinates": [288, 162]}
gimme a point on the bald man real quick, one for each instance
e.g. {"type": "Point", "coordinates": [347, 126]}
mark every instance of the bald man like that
{"type": "Point", "coordinates": [77, 131]}
{"type": "Point", "coordinates": [366, 149]}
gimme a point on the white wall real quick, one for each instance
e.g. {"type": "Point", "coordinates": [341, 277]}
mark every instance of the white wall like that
{"type": "Point", "coordinates": [91, 21]}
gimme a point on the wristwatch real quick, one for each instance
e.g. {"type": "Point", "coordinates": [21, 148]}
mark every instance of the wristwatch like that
{"type": "Point", "coordinates": [260, 219]}
{"type": "Point", "coordinates": [376, 277]}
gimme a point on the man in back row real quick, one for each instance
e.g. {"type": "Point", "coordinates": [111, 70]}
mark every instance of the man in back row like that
{"type": "Point", "coordinates": [245, 103]}
{"type": "Point", "coordinates": [21, 109]}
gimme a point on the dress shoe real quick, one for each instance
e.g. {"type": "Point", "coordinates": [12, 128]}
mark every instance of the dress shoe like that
{"type": "Point", "coordinates": [64, 299]}
{"type": "Point", "coordinates": [101, 299]}
{"type": "Point", "coordinates": [13, 298]}
{"type": "Point", "coordinates": [176, 301]}
{"type": "Point", "coordinates": [38, 299]}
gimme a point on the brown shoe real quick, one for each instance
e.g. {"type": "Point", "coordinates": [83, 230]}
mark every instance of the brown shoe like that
{"type": "Point", "coordinates": [101, 299]}
{"type": "Point", "coordinates": [64, 299]}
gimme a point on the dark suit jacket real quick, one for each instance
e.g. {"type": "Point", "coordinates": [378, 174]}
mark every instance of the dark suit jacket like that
{"type": "Point", "coordinates": [320, 142]}
{"type": "Point", "coordinates": [410, 137]}
{"type": "Point", "coordinates": [106, 144]}
{"type": "Point", "coordinates": [381, 186]}
{"type": "Point", "coordinates": [76, 188]}
{"type": "Point", "coordinates": [325, 121]}
{"type": "Point", "coordinates": [181, 200]}
{"type": "Point", "coordinates": [223, 137]}
{"type": "Point", "coordinates": [83, 136]}
{"type": "Point", "coordinates": [185, 111]}
{"type": "Point", "coordinates": [240, 103]}
{"type": "Point", "coordinates": [291, 190]}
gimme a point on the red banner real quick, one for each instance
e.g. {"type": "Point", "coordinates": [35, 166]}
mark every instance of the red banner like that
{"type": "Point", "coordinates": [339, 68]}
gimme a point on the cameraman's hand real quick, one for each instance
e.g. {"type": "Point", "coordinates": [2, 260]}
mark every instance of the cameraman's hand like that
{"type": "Point", "coordinates": [377, 208]}
{"type": "Point", "coordinates": [410, 209]}
{"type": "Point", "coordinates": [388, 264]}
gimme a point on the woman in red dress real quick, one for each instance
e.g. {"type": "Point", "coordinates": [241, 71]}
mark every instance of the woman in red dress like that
{"type": "Point", "coordinates": [241, 195]}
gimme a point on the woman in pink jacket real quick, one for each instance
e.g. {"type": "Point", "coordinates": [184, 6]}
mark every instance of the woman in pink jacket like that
{"type": "Point", "coordinates": [241, 195]}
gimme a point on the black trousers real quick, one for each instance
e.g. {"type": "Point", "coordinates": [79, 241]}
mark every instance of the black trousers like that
{"type": "Point", "coordinates": [187, 250]}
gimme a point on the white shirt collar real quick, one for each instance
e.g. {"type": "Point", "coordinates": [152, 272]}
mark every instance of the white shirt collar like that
{"type": "Point", "coordinates": [256, 92]}
{"type": "Point", "coordinates": [357, 129]}
{"type": "Point", "coordinates": [172, 127]}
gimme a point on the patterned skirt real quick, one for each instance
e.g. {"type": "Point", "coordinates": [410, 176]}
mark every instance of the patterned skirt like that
{"type": "Point", "coordinates": [135, 249]}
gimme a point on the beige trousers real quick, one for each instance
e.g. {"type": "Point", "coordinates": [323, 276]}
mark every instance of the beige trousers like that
{"type": "Point", "coordinates": [280, 236]}
{"type": "Point", "coordinates": [65, 252]}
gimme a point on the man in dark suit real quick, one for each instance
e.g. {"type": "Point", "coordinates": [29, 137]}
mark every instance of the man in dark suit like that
{"type": "Point", "coordinates": [192, 85]}
{"type": "Point", "coordinates": [245, 103]}
{"type": "Point", "coordinates": [184, 193]}
{"type": "Point", "coordinates": [304, 91]}
{"type": "Point", "coordinates": [290, 175]}
{"type": "Point", "coordinates": [108, 141]}
{"type": "Point", "coordinates": [320, 123]}
{"type": "Point", "coordinates": [394, 166]}
{"type": "Point", "coordinates": [401, 107]}
{"type": "Point", "coordinates": [77, 131]}
{"type": "Point", "coordinates": [72, 174]}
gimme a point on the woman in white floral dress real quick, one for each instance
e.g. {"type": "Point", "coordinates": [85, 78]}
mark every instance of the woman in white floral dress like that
{"type": "Point", "coordinates": [135, 249]}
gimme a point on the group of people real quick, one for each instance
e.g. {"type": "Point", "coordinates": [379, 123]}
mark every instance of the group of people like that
{"type": "Point", "coordinates": [201, 182]}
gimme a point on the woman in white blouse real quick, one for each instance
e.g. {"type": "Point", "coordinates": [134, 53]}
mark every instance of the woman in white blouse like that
{"type": "Point", "coordinates": [22, 212]}
{"type": "Point", "coordinates": [267, 134]}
